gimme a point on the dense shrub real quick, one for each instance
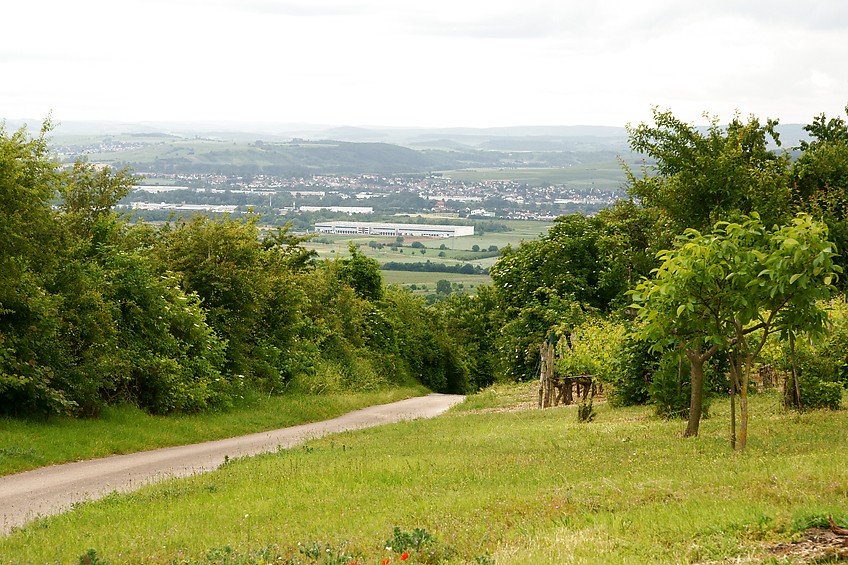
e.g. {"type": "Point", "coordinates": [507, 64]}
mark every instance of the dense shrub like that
{"type": "Point", "coordinates": [591, 348]}
{"type": "Point", "coordinates": [632, 373]}
{"type": "Point", "coordinates": [670, 387]}
{"type": "Point", "coordinates": [816, 393]}
{"type": "Point", "coordinates": [822, 363]}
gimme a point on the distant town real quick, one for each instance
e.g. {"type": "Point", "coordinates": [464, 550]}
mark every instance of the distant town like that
{"type": "Point", "coordinates": [336, 196]}
{"type": "Point", "coordinates": [526, 174]}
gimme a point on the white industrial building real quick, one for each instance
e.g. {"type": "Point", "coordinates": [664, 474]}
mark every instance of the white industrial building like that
{"type": "Point", "coordinates": [339, 209]}
{"type": "Point", "coordinates": [393, 230]}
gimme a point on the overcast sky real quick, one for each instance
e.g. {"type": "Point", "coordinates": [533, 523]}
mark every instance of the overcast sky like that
{"type": "Point", "coordinates": [479, 63]}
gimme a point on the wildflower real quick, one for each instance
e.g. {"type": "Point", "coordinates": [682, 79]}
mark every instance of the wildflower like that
{"type": "Point", "coordinates": [405, 556]}
{"type": "Point", "coordinates": [385, 561]}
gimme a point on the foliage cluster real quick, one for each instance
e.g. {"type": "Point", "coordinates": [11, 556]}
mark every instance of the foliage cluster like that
{"type": "Point", "coordinates": [188, 315]}
{"type": "Point", "coordinates": [727, 242]}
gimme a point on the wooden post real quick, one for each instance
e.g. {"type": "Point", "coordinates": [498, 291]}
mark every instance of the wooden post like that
{"type": "Point", "coordinates": [546, 374]}
{"type": "Point", "coordinates": [542, 370]}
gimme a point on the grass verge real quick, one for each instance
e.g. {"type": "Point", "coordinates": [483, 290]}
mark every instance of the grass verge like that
{"type": "Point", "coordinates": [29, 444]}
{"type": "Point", "coordinates": [486, 483]}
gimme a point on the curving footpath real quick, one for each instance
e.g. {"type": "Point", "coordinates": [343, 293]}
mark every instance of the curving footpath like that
{"type": "Point", "coordinates": [51, 490]}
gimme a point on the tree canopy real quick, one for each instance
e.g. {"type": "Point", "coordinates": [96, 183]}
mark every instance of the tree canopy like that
{"type": "Point", "coordinates": [713, 292]}
{"type": "Point", "coordinates": [697, 177]}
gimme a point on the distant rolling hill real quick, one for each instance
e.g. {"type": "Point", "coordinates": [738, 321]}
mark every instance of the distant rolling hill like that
{"type": "Point", "coordinates": [303, 149]}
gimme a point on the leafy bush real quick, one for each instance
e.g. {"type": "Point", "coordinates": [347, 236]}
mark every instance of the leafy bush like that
{"type": "Point", "coordinates": [670, 387]}
{"type": "Point", "coordinates": [591, 348]}
{"type": "Point", "coordinates": [822, 364]}
{"type": "Point", "coordinates": [586, 412]}
{"type": "Point", "coordinates": [816, 393]}
{"type": "Point", "coordinates": [632, 372]}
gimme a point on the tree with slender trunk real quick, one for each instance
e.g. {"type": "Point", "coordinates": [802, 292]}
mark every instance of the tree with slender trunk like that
{"type": "Point", "coordinates": [728, 290]}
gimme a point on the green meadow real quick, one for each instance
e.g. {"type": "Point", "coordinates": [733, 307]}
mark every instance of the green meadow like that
{"type": "Point", "coordinates": [428, 280]}
{"type": "Point", "coordinates": [493, 481]}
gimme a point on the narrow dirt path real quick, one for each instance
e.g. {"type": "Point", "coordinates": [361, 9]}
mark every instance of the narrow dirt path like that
{"type": "Point", "coordinates": [51, 490]}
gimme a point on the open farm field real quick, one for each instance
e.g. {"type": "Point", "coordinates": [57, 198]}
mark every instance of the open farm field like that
{"type": "Point", "coordinates": [406, 278]}
{"type": "Point", "coordinates": [493, 481]}
{"type": "Point", "coordinates": [457, 251]}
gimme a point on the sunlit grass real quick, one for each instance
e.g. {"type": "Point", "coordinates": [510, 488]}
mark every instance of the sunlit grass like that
{"type": "Point", "coordinates": [30, 444]}
{"type": "Point", "coordinates": [490, 484]}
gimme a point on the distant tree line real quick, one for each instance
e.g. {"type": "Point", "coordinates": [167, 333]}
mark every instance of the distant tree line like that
{"type": "Point", "coordinates": [429, 267]}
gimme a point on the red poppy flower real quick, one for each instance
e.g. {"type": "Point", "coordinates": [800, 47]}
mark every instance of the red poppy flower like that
{"type": "Point", "coordinates": [405, 556]}
{"type": "Point", "coordinates": [385, 561]}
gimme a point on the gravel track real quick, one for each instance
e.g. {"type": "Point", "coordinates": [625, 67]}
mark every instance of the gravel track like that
{"type": "Point", "coordinates": [52, 490]}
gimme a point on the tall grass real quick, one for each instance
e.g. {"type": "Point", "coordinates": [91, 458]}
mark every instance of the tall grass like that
{"type": "Point", "coordinates": [28, 444]}
{"type": "Point", "coordinates": [489, 485]}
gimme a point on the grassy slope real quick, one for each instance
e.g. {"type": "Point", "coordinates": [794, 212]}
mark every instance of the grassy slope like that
{"type": "Point", "coordinates": [28, 445]}
{"type": "Point", "coordinates": [498, 486]}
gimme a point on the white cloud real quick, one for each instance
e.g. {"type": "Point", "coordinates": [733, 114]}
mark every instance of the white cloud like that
{"type": "Point", "coordinates": [439, 62]}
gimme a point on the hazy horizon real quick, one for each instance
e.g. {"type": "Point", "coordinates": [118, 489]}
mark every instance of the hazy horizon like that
{"type": "Point", "coordinates": [435, 64]}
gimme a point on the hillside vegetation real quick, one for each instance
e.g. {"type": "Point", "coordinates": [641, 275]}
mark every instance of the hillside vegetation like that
{"type": "Point", "coordinates": [721, 277]}
{"type": "Point", "coordinates": [186, 315]}
{"type": "Point", "coordinates": [491, 482]}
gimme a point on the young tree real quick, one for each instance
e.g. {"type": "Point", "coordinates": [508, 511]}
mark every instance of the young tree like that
{"type": "Point", "coordinates": [725, 291]}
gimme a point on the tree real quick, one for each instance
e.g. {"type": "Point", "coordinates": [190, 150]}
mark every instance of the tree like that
{"type": "Point", "coordinates": [698, 178]}
{"type": "Point", "coordinates": [727, 290]}
{"type": "Point", "coordinates": [429, 352]}
{"type": "Point", "coordinates": [820, 178]}
{"type": "Point", "coordinates": [33, 253]}
{"type": "Point", "coordinates": [577, 258]}
{"type": "Point", "coordinates": [474, 321]}
{"type": "Point", "coordinates": [823, 131]}
{"type": "Point", "coordinates": [90, 193]}
{"type": "Point", "coordinates": [223, 262]}
{"type": "Point", "coordinates": [362, 273]}
{"type": "Point", "coordinates": [443, 286]}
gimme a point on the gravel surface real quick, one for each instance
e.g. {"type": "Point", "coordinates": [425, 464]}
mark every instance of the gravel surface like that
{"type": "Point", "coordinates": [52, 490]}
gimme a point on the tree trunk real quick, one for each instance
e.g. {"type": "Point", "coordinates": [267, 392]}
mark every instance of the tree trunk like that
{"type": "Point", "coordinates": [696, 399]}
{"type": "Point", "coordinates": [795, 370]}
{"type": "Point", "coordinates": [743, 413]}
{"type": "Point", "coordinates": [743, 398]}
{"type": "Point", "coordinates": [733, 381]}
